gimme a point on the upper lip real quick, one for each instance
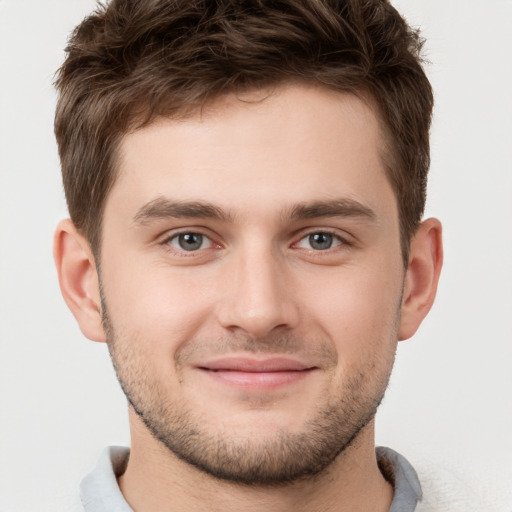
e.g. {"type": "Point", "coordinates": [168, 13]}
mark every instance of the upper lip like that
{"type": "Point", "coordinates": [245, 364]}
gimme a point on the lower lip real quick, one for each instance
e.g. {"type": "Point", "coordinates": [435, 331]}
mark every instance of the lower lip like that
{"type": "Point", "coordinates": [257, 381]}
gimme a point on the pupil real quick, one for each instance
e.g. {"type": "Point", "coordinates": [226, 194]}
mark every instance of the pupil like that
{"type": "Point", "coordinates": [320, 241]}
{"type": "Point", "coordinates": [190, 241]}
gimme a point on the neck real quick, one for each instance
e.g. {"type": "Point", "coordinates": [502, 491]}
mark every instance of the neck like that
{"type": "Point", "coordinates": [156, 480]}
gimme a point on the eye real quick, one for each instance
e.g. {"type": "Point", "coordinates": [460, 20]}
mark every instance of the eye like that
{"type": "Point", "coordinates": [190, 241]}
{"type": "Point", "coordinates": [320, 241]}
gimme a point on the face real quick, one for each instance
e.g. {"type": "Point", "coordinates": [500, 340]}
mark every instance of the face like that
{"type": "Point", "coordinates": [251, 281]}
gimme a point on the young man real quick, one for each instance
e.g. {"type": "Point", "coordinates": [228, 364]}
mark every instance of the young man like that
{"type": "Point", "coordinates": [246, 182]}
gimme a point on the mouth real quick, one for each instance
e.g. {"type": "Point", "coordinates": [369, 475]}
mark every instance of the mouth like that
{"type": "Point", "coordinates": [256, 374]}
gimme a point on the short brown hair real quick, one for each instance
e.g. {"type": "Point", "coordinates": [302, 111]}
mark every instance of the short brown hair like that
{"type": "Point", "coordinates": [133, 60]}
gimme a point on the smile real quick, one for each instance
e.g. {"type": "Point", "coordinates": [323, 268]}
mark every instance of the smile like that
{"type": "Point", "coordinates": [257, 375]}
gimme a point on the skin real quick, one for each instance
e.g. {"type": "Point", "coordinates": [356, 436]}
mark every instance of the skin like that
{"type": "Point", "coordinates": [257, 179]}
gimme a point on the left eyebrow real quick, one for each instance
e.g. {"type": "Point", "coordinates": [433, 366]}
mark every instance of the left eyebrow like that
{"type": "Point", "coordinates": [332, 208]}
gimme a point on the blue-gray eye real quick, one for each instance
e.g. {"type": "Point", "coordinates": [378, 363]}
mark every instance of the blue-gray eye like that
{"type": "Point", "coordinates": [320, 241]}
{"type": "Point", "coordinates": [190, 241]}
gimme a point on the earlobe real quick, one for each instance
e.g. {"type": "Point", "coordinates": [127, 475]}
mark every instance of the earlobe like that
{"type": "Point", "coordinates": [78, 279]}
{"type": "Point", "coordinates": [422, 276]}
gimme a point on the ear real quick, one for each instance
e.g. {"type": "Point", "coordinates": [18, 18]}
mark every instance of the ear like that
{"type": "Point", "coordinates": [422, 276]}
{"type": "Point", "coordinates": [78, 278]}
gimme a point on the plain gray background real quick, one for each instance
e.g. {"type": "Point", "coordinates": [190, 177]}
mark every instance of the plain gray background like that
{"type": "Point", "coordinates": [449, 403]}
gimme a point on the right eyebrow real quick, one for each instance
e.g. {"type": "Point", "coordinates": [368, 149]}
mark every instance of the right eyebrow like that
{"type": "Point", "coordinates": [163, 208]}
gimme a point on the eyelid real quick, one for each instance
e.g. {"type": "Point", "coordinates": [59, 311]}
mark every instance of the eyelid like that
{"type": "Point", "coordinates": [164, 240]}
{"type": "Point", "coordinates": [336, 242]}
{"type": "Point", "coordinates": [205, 240]}
{"type": "Point", "coordinates": [344, 239]}
{"type": "Point", "coordinates": [168, 236]}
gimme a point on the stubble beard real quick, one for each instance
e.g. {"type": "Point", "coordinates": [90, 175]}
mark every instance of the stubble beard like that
{"type": "Point", "coordinates": [279, 460]}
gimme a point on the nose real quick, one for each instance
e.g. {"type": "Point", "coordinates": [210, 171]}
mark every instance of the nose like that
{"type": "Point", "coordinates": [258, 296]}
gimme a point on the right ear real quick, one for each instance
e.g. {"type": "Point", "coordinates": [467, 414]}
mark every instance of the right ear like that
{"type": "Point", "coordinates": [78, 279]}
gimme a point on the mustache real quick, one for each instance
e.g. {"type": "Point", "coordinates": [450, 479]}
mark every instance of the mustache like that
{"type": "Point", "coordinates": [318, 351]}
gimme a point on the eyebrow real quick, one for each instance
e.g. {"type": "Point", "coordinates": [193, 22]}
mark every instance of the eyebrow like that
{"type": "Point", "coordinates": [332, 208]}
{"type": "Point", "coordinates": [162, 208]}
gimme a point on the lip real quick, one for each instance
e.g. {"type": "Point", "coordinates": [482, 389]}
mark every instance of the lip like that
{"type": "Point", "coordinates": [256, 374]}
{"type": "Point", "coordinates": [246, 364]}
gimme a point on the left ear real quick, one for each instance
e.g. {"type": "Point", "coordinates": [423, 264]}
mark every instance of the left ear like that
{"type": "Point", "coordinates": [422, 276]}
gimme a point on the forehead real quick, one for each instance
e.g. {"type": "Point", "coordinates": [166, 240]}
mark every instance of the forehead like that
{"type": "Point", "coordinates": [282, 146]}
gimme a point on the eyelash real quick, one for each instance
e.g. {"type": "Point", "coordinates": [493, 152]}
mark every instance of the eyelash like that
{"type": "Point", "coordinates": [341, 240]}
{"type": "Point", "coordinates": [183, 252]}
{"type": "Point", "coordinates": [337, 239]}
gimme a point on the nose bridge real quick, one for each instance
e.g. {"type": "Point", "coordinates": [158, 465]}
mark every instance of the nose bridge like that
{"type": "Point", "coordinates": [259, 296]}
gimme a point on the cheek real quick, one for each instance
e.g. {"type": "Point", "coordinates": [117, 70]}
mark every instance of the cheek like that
{"type": "Point", "coordinates": [161, 307]}
{"type": "Point", "coordinates": [358, 311]}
